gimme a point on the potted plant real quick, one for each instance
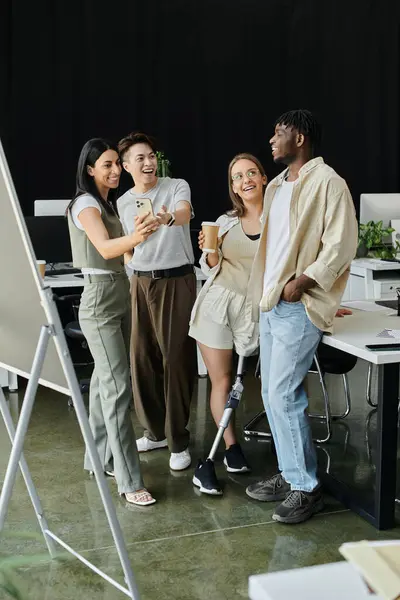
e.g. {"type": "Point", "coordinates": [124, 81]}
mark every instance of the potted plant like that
{"type": "Point", "coordinates": [370, 241]}
{"type": "Point", "coordinates": [163, 165]}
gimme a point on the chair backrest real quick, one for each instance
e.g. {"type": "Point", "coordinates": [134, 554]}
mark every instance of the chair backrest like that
{"type": "Point", "coordinates": [331, 360]}
{"type": "Point", "coordinates": [334, 361]}
{"type": "Point", "coordinates": [69, 301]}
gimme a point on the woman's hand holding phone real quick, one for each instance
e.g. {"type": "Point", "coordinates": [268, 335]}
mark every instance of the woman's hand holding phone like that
{"type": "Point", "coordinates": [144, 227]}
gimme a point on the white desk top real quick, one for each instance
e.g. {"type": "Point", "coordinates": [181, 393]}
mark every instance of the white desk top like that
{"type": "Point", "coordinates": [353, 332]}
{"type": "Point", "coordinates": [64, 281]}
{"type": "Point", "coordinates": [335, 581]}
{"type": "Point", "coordinates": [72, 281]}
{"type": "Point", "coordinates": [375, 264]}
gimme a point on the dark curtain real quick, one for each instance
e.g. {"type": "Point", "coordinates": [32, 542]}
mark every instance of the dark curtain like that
{"type": "Point", "coordinates": [206, 77]}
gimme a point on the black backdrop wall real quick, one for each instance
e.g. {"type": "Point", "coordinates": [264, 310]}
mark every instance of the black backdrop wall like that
{"type": "Point", "coordinates": [206, 77]}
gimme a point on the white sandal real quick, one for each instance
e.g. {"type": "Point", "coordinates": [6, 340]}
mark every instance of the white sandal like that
{"type": "Point", "coordinates": [141, 498]}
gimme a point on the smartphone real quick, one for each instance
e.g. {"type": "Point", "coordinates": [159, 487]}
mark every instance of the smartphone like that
{"type": "Point", "coordinates": [394, 347]}
{"type": "Point", "coordinates": [144, 206]}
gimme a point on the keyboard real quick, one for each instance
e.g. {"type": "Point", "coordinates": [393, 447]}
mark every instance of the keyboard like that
{"type": "Point", "coordinates": [68, 271]}
{"type": "Point", "coordinates": [388, 303]}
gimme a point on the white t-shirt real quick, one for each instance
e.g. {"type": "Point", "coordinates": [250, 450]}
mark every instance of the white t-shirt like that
{"type": "Point", "coordinates": [278, 234]}
{"type": "Point", "coordinates": [86, 201]}
{"type": "Point", "coordinates": [168, 247]}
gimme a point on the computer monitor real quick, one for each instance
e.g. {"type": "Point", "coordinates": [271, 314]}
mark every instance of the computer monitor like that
{"type": "Point", "coordinates": [379, 207]}
{"type": "Point", "coordinates": [45, 208]}
{"type": "Point", "coordinates": [50, 238]}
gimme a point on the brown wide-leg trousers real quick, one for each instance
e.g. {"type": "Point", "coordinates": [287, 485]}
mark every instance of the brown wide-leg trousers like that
{"type": "Point", "coordinates": [163, 356]}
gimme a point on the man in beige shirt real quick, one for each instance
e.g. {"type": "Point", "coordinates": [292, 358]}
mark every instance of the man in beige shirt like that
{"type": "Point", "coordinates": [308, 241]}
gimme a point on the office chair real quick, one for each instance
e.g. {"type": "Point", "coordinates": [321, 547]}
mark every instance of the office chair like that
{"type": "Point", "coordinates": [334, 362]}
{"type": "Point", "coordinates": [326, 360]}
{"type": "Point", "coordinates": [73, 331]}
{"type": "Point", "coordinates": [368, 394]}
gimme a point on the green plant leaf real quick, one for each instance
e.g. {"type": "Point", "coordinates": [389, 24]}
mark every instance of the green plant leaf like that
{"type": "Point", "coordinates": [8, 585]}
{"type": "Point", "coordinates": [372, 234]}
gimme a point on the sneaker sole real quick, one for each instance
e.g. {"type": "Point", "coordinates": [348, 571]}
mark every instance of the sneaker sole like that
{"type": "Point", "coordinates": [271, 498]}
{"type": "Point", "coordinates": [210, 492]}
{"type": "Point", "coordinates": [232, 470]}
{"type": "Point", "coordinates": [180, 468]}
{"type": "Point", "coordinates": [300, 518]}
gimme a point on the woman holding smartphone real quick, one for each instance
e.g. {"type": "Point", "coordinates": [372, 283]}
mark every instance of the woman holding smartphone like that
{"type": "Point", "coordinates": [98, 247]}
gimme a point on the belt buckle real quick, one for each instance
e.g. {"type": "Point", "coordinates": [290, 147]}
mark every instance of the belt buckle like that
{"type": "Point", "coordinates": [153, 276]}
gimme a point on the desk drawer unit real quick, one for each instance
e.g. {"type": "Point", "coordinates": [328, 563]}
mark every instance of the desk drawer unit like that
{"type": "Point", "coordinates": [385, 288]}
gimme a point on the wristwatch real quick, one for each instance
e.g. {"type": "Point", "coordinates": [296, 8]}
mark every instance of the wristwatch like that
{"type": "Point", "coordinates": [171, 221]}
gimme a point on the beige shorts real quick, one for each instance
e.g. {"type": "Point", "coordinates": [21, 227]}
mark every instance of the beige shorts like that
{"type": "Point", "coordinates": [223, 321]}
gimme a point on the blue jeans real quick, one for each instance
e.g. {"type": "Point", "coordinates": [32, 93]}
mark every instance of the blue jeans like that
{"type": "Point", "coordinates": [288, 341]}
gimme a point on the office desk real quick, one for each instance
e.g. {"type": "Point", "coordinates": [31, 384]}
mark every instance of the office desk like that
{"type": "Point", "coordinates": [66, 281]}
{"type": "Point", "coordinates": [351, 334]}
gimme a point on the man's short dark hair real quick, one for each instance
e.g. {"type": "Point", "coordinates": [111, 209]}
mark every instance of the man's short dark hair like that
{"type": "Point", "coordinates": [305, 123]}
{"type": "Point", "coordinates": [133, 138]}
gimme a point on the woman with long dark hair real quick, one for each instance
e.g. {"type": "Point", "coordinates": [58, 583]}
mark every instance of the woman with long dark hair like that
{"type": "Point", "coordinates": [221, 317]}
{"type": "Point", "coordinates": [98, 247]}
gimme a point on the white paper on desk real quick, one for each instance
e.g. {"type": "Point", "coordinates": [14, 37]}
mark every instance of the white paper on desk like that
{"type": "Point", "coordinates": [363, 305]}
{"type": "Point", "coordinates": [389, 333]}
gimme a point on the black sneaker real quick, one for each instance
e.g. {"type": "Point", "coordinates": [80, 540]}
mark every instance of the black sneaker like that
{"type": "Point", "coordinates": [235, 461]}
{"type": "Point", "coordinates": [299, 506]}
{"type": "Point", "coordinates": [205, 478]}
{"type": "Point", "coordinates": [270, 490]}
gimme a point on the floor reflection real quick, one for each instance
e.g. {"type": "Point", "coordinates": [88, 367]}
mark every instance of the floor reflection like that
{"type": "Point", "coordinates": [187, 545]}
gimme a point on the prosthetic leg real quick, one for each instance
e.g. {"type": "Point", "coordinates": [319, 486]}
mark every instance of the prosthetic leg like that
{"type": "Point", "coordinates": [204, 476]}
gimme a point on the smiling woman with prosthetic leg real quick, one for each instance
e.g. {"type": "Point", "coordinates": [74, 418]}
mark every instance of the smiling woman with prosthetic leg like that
{"type": "Point", "coordinates": [221, 317]}
{"type": "Point", "coordinates": [98, 248]}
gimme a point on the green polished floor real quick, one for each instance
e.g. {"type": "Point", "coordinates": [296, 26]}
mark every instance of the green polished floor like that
{"type": "Point", "coordinates": [187, 545]}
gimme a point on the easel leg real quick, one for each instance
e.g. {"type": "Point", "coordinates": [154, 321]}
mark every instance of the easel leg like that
{"type": "Point", "coordinates": [80, 411]}
{"type": "Point", "coordinates": [27, 477]}
{"type": "Point", "coordinates": [102, 485]}
{"type": "Point", "coordinates": [23, 422]}
{"type": "Point", "coordinates": [18, 436]}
